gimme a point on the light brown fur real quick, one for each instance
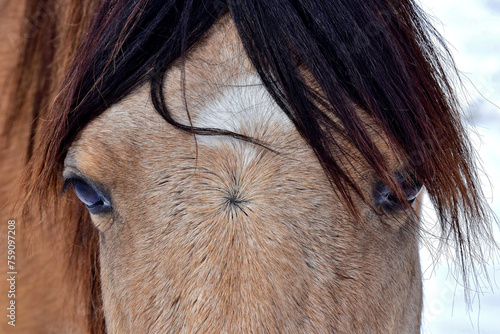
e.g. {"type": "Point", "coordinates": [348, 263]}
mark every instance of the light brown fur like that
{"type": "Point", "coordinates": [227, 236]}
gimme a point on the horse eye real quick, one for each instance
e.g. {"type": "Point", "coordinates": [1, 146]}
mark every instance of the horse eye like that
{"type": "Point", "coordinates": [95, 202]}
{"type": "Point", "coordinates": [388, 201]}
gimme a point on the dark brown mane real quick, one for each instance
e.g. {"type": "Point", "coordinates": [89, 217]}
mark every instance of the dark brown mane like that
{"type": "Point", "coordinates": [377, 55]}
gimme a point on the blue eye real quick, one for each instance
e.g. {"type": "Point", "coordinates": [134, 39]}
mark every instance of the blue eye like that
{"type": "Point", "coordinates": [95, 202]}
{"type": "Point", "coordinates": [87, 194]}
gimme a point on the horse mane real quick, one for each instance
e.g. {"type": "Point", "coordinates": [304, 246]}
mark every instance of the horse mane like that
{"type": "Point", "coordinates": [381, 56]}
{"type": "Point", "coordinates": [50, 33]}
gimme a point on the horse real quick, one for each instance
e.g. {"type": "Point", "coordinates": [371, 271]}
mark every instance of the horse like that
{"type": "Point", "coordinates": [228, 166]}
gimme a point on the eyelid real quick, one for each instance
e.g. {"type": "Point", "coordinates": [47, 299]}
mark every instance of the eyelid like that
{"type": "Point", "coordinates": [72, 174]}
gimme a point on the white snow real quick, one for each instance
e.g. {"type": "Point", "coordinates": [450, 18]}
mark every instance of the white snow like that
{"type": "Point", "coordinates": [472, 28]}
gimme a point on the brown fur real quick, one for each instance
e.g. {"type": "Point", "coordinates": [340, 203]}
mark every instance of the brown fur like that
{"type": "Point", "coordinates": [47, 300]}
{"type": "Point", "coordinates": [178, 256]}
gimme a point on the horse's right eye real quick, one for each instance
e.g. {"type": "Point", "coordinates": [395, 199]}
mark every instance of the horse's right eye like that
{"type": "Point", "coordinates": [95, 202]}
{"type": "Point", "coordinates": [388, 201]}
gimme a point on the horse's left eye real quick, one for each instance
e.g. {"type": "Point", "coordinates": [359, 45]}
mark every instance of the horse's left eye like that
{"type": "Point", "coordinates": [95, 202]}
{"type": "Point", "coordinates": [388, 201]}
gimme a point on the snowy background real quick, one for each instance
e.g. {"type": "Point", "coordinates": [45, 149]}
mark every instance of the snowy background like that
{"type": "Point", "coordinates": [472, 29]}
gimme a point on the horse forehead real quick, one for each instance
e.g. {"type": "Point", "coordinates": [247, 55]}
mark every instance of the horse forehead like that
{"type": "Point", "coordinates": [131, 134]}
{"type": "Point", "coordinates": [216, 87]}
{"type": "Point", "coordinates": [131, 141]}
